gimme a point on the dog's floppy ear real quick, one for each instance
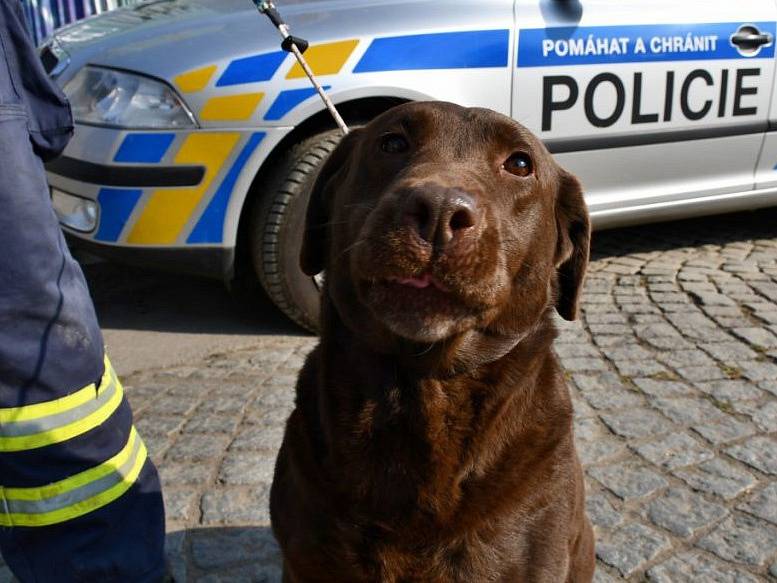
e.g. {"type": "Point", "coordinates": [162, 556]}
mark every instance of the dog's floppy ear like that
{"type": "Point", "coordinates": [573, 245]}
{"type": "Point", "coordinates": [314, 240]}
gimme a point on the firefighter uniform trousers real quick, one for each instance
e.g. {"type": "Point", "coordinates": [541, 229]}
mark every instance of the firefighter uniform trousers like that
{"type": "Point", "coordinates": [79, 498]}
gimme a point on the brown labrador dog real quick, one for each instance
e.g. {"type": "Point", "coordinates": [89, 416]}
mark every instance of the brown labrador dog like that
{"type": "Point", "coordinates": [432, 435]}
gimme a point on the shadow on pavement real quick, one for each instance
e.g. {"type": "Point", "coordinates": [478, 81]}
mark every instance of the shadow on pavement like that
{"type": "Point", "coordinates": [714, 230]}
{"type": "Point", "coordinates": [132, 298]}
{"type": "Point", "coordinates": [228, 554]}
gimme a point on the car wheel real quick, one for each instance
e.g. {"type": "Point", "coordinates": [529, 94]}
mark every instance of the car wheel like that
{"type": "Point", "coordinates": [277, 224]}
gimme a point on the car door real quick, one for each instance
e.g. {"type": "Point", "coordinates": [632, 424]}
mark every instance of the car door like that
{"type": "Point", "coordinates": [652, 104]}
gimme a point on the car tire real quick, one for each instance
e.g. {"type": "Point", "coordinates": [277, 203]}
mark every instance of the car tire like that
{"type": "Point", "coordinates": [277, 224]}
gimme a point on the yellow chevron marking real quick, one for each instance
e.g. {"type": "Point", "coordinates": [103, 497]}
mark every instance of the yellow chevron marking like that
{"type": "Point", "coordinates": [195, 80]}
{"type": "Point", "coordinates": [230, 107]}
{"type": "Point", "coordinates": [326, 59]}
{"type": "Point", "coordinates": [168, 210]}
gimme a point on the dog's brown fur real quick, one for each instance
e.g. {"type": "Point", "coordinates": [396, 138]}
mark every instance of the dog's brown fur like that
{"type": "Point", "coordinates": [432, 436]}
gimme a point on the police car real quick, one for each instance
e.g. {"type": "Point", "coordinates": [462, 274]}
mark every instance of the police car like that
{"type": "Point", "coordinates": [198, 137]}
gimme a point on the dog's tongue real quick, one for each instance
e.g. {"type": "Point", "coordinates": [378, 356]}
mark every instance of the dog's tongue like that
{"type": "Point", "coordinates": [420, 282]}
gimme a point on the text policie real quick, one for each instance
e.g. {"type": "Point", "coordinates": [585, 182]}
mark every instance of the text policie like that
{"type": "Point", "coordinates": [552, 101]}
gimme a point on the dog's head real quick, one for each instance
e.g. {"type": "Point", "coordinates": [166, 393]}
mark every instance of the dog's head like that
{"type": "Point", "coordinates": [435, 220]}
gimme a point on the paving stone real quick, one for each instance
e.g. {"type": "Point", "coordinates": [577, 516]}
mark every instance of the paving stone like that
{"type": "Point", "coordinates": [599, 450]}
{"type": "Point", "coordinates": [695, 567]}
{"type": "Point", "coordinates": [631, 547]}
{"type": "Point", "coordinates": [713, 299]}
{"type": "Point", "coordinates": [729, 390]}
{"type": "Point", "coordinates": [628, 479]}
{"type": "Point", "coordinates": [577, 349]}
{"type": "Point", "coordinates": [602, 381]}
{"type": "Point", "coordinates": [688, 411]}
{"type": "Point", "coordinates": [673, 451]}
{"type": "Point", "coordinates": [175, 553]}
{"type": "Point", "coordinates": [614, 399]}
{"type": "Point", "coordinates": [258, 438]}
{"type": "Point", "coordinates": [757, 336]}
{"type": "Point", "coordinates": [724, 430]}
{"type": "Point", "coordinates": [763, 414]}
{"type": "Point", "coordinates": [206, 422]}
{"type": "Point", "coordinates": [718, 477]}
{"type": "Point", "coordinates": [237, 506]}
{"type": "Point", "coordinates": [181, 503]}
{"type": "Point", "coordinates": [227, 405]}
{"type": "Point", "coordinates": [158, 425]}
{"type": "Point", "coordinates": [601, 511]}
{"type": "Point", "coordinates": [627, 352]}
{"type": "Point", "coordinates": [198, 447]}
{"type": "Point", "coordinates": [742, 539]}
{"type": "Point", "coordinates": [576, 364]}
{"type": "Point", "coordinates": [755, 370]}
{"type": "Point", "coordinates": [683, 358]}
{"type": "Point", "coordinates": [683, 512]}
{"type": "Point", "coordinates": [701, 373]}
{"type": "Point", "coordinates": [601, 576]}
{"type": "Point", "coordinates": [246, 468]}
{"type": "Point", "coordinates": [253, 573]}
{"type": "Point", "coordinates": [729, 352]}
{"type": "Point", "coordinates": [186, 473]}
{"type": "Point", "coordinates": [175, 406]}
{"type": "Point", "coordinates": [759, 452]}
{"type": "Point", "coordinates": [639, 368]}
{"type": "Point", "coordinates": [769, 386]}
{"type": "Point", "coordinates": [763, 504]}
{"type": "Point", "coordinates": [639, 422]}
{"type": "Point", "coordinates": [582, 409]}
{"type": "Point", "coordinates": [220, 548]}
{"type": "Point", "coordinates": [664, 388]}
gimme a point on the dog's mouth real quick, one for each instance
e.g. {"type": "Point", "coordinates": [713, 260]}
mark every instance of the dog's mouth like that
{"type": "Point", "coordinates": [421, 282]}
{"type": "Point", "coordinates": [420, 307]}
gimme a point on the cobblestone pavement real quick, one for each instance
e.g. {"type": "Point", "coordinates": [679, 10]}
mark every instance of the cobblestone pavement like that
{"type": "Point", "coordinates": [674, 376]}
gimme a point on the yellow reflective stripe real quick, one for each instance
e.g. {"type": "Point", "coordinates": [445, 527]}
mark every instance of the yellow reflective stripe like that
{"type": "Point", "coordinates": [168, 210]}
{"type": "Point", "coordinates": [73, 482]}
{"type": "Point", "coordinates": [325, 59]}
{"type": "Point", "coordinates": [8, 495]}
{"type": "Point", "coordinates": [195, 80]}
{"type": "Point", "coordinates": [70, 430]}
{"type": "Point", "coordinates": [230, 107]}
{"type": "Point", "coordinates": [61, 405]}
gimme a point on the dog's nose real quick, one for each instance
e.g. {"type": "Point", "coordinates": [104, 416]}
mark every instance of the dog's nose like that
{"type": "Point", "coordinates": [440, 214]}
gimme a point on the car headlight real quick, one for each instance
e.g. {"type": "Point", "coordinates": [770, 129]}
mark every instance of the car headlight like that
{"type": "Point", "coordinates": [80, 214]}
{"type": "Point", "coordinates": [118, 99]}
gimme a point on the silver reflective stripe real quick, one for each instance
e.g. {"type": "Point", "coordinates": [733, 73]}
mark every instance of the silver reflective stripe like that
{"type": "Point", "coordinates": [19, 428]}
{"type": "Point", "coordinates": [79, 494]}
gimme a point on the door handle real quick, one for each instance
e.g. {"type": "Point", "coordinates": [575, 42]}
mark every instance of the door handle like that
{"type": "Point", "coordinates": [750, 38]}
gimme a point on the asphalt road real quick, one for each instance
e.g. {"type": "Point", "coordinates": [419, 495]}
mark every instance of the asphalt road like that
{"type": "Point", "coordinates": [153, 320]}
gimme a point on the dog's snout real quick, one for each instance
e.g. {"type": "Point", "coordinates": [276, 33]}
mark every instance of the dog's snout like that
{"type": "Point", "coordinates": [440, 214]}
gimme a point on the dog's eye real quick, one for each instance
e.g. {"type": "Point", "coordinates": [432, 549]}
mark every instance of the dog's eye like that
{"type": "Point", "coordinates": [518, 164]}
{"type": "Point", "coordinates": [393, 143]}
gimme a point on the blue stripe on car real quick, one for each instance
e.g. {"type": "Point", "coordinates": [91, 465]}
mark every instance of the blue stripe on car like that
{"type": "Point", "coordinates": [144, 148]}
{"type": "Point", "coordinates": [116, 205]}
{"type": "Point", "coordinates": [288, 100]}
{"type": "Point", "coordinates": [210, 227]}
{"type": "Point", "coordinates": [445, 50]}
{"type": "Point", "coordinates": [251, 69]}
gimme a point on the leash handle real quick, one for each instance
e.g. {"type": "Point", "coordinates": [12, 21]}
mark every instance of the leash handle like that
{"type": "Point", "coordinates": [297, 46]}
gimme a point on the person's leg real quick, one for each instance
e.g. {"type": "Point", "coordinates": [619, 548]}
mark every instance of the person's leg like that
{"type": "Point", "coordinates": [79, 498]}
